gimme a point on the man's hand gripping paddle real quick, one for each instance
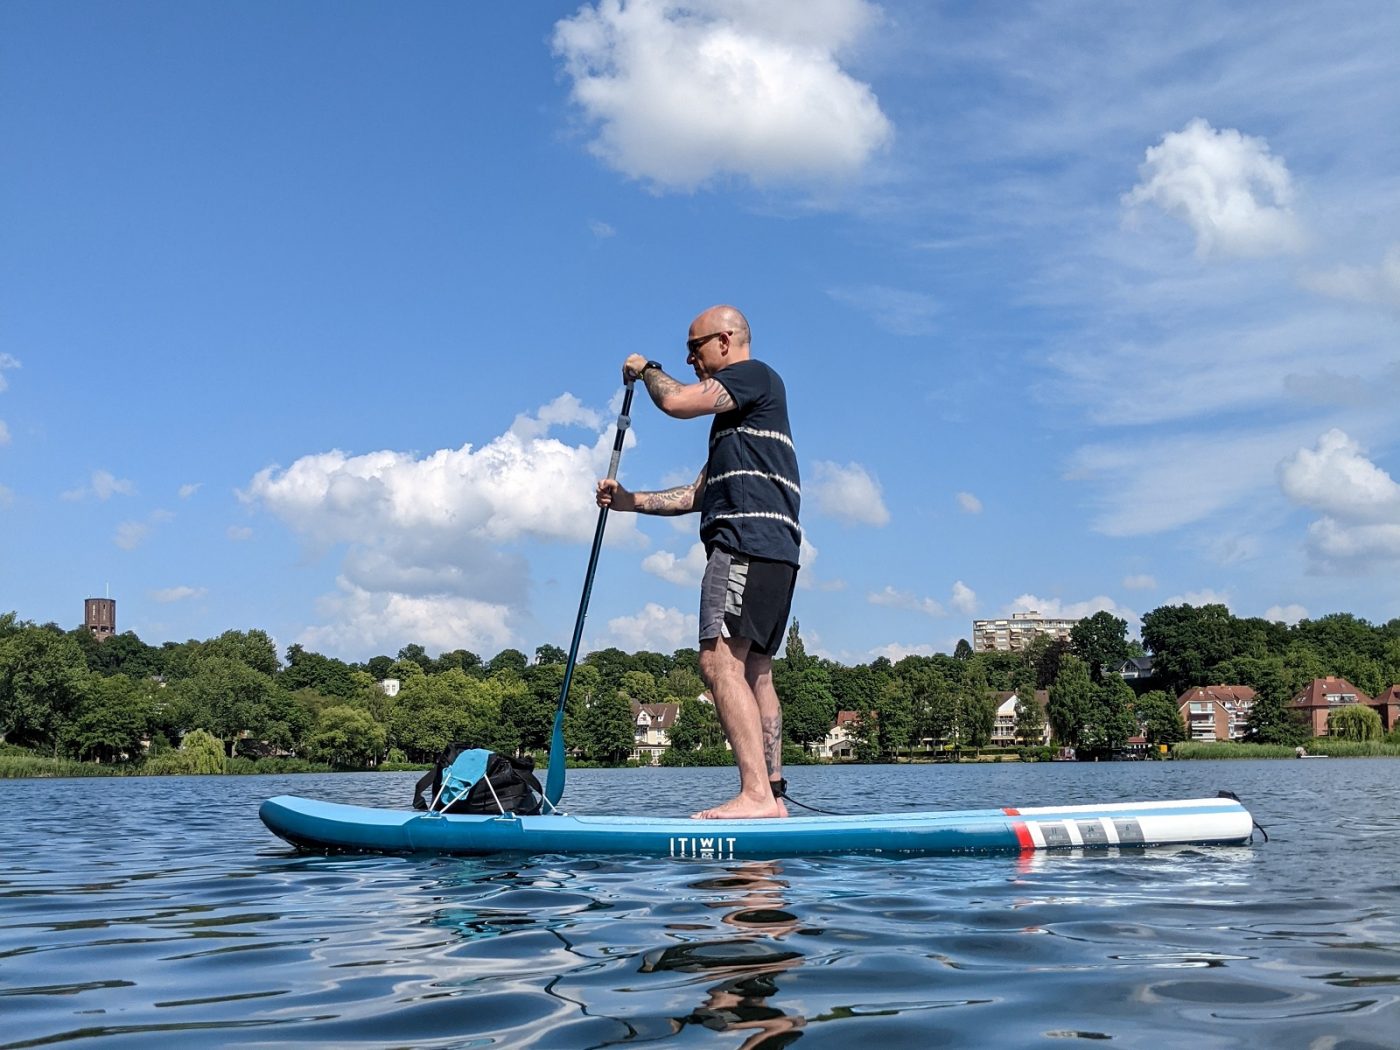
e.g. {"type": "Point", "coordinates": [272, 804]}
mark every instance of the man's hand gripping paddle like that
{"type": "Point", "coordinates": [554, 783]}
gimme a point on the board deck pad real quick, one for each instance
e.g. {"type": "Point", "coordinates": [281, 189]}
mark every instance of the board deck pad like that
{"type": "Point", "coordinates": [320, 826]}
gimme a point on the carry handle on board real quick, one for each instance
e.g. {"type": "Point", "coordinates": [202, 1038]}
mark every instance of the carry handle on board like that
{"type": "Point", "coordinates": [554, 782]}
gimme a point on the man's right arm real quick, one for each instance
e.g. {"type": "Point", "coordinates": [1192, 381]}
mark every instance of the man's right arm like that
{"type": "Point", "coordinates": [683, 499]}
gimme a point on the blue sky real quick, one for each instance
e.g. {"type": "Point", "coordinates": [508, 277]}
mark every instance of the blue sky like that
{"type": "Point", "coordinates": [311, 314]}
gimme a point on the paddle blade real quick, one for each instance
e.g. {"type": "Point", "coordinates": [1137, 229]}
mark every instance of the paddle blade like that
{"type": "Point", "coordinates": [554, 782]}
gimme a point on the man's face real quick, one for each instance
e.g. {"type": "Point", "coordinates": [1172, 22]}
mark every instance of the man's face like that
{"type": "Point", "coordinates": [705, 347]}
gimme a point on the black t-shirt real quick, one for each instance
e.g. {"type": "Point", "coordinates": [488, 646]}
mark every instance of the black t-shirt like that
{"type": "Point", "coordinates": [752, 489]}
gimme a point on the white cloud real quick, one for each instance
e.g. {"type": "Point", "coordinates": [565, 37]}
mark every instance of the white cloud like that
{"type": "Point", "coordinates": [444, 530]}
{"type": "Point", "coordinates": [1362, 284]}
{"type": "Point", "coordinates": [686, 570]}
{"type": "Point", "coordinates": [1205, 596]}
{"type": "Point", "coordinates": [964, 598]}
{"type": "Point", "coordinates": [1359, 530]}
{"type": "Point", "coordinates": [1289, 614]}
{"type": "Point", "coordinates": [684, 91]}
{"type": "Point", "coordinates": [4, 433]}
{"type": "Point", "coordinates": [131, 534]}
{"type": "Point", "coordinates": [1055, 608]}
{"type": "Point", "coordinates": [1337, 478]}
{"type": "Point", "coordinates": [896, 651]}
{"type": "Point", "coordinates": [363, 622]}
{"type": "Point", "coordinates": [239, 532]}
{"type": "Point", "coordinates": [896, 310]}
{"type": "Point", "coordinates": [601, 229]}
{"type": "Point", "coordinates": [969, 503]}
{"type": "Point", "coordinates": [186, 491]}
{"type": "Point", "coordinates": [655, 628]}
{"type": "Point", "coordinates": [847, 493]}
{"type": "Point", "coordinates": [896, 599]}
{"type": "Point", "coordinates": [1233, 193]}
{"type": "Point", "coordinates": [7, 361]}
{"type": "Point", "coordinates": [103, 485]}
{"type": "Point", "coordinates": [177, 594]}
{"type": "Point", "coordinates": [1140, 582]}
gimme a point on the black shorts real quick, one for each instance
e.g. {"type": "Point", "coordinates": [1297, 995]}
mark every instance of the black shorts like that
{"type": "Point", "coordinates": [742, 597]}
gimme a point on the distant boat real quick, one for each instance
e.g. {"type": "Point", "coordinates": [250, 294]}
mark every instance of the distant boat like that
{"type": "Point", "coordinates": [1302, 752]}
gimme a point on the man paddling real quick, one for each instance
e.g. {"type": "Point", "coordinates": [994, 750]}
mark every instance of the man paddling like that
{"type": "Point", "coordinates": [748, 496]}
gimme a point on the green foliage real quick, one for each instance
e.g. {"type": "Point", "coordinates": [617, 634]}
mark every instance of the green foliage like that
{"type": "Point", "coordinates": [432, 711]}
{"type": "Point", "coordinates": [1110, 721]}
{"type": "Point", "coordinates": [346, 737]}
{"type": "Point", "coordinates": [42, 677]}
{"type": "Point", "coordinates": [203, 753]}
{"type": "Point", "coordinates": [113, 716]}
{"type": "Point", "coordinates": [809, 709]}
{"type": "Point", "coordinates": [606, 730]}
{"type": "Point", "coordinates": [1188, 642]}
{"type": "Point", "coordinates": [1071, 699]}
{"type": "Point", "coordinates": [696, 726]}
{"type": "Point", "coordinates": [963, 650]}
{"type": "Point", "coordinates": [639, 686]}
{"type": "Point", "coordinates": [253, 649]}
{"type": "Point", "coordinates": [328, 676]}
{"type": "Point", "coordinates": [1100, 641]}
{"type": "Point", "coordinates": [1159, 717]}
{"type": "Point", "coordinates": [508, 663]}
{"type": "Point", "coordinates": [1030, 720]}
{"type": "Point", "coordinates": [1354, 722]}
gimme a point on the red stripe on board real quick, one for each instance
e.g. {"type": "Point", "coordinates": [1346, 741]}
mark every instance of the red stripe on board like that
{"type": "Point", "coordinates": [1023, 833]}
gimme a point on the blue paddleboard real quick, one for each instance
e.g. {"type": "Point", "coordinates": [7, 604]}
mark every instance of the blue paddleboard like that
{"type": "Point", "coordinates": [331, 827]}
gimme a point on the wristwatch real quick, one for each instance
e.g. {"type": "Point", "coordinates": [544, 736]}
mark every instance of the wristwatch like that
{"type": "Point", "coordinates": [648, 367]}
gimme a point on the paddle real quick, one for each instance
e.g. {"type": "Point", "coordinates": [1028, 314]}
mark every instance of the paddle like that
{"type": "Point", "coordinates": [554, 783]}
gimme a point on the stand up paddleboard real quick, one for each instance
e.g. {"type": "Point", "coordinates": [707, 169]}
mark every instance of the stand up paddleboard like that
{"type": "Point", "coordinates": [330, 827]}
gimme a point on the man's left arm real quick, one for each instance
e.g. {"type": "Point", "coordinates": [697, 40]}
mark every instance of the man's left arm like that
{"type": "Point", "coordinates": [680, 400]}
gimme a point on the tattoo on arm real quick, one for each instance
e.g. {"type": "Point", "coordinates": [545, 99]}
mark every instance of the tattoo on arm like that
{"type": "Point", "coordinates": [723, 402]}
{"type": "Point", "coordinates": [679, 500]}
{"type": "Point", "coordinates": [683, 499]}
{"type": "Point", "coordinates": [659, 384]}
{"type": "Point", "coordinates": [773, 743]}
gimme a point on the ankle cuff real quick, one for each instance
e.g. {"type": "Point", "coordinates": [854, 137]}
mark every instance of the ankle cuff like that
{"type": "Point", "coordinates": [779, 787]}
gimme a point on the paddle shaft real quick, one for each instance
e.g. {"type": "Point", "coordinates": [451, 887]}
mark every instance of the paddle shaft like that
{"type": "Point", "coordinates": [554, 782]}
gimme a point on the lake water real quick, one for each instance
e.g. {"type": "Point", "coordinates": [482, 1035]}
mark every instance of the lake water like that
{"type": "Point", "coordinates": [160, 913]}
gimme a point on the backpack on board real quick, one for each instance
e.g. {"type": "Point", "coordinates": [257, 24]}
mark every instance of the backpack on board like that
{"type": "Point", "coordinates": [474, 780]}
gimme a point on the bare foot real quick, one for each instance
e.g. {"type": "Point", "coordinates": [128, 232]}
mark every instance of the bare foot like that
{"type": "Point", "coordinates": [741, 807]}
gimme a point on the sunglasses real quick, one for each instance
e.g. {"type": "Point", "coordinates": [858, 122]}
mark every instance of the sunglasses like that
{"type": "Point", "coordinates": [692, 346]}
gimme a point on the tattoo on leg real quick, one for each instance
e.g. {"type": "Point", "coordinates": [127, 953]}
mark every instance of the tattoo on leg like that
{"type": "Point", "coordinates": [773, 743]}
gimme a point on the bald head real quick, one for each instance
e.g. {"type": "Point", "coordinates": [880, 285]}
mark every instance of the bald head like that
{"type": "Point", "coordinates": [722, 319]}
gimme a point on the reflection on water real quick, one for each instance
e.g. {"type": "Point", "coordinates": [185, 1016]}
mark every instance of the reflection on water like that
{"type": "Point", "coordinates": [160, 913]}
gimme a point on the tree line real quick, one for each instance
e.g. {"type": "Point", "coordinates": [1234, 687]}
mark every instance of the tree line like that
{"type": "Point", "coordinates": [66, 694]}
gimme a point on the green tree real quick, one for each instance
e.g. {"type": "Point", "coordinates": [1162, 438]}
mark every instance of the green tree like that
{"type": "Point", "coordinates": [610, 665]}
{"type": "Point", "coordinates": [113, 717]}
{"type": "Point", "coordinates": [1159, 717]}
{"type": "Point", "coordinates": [1271, 719]}
{"type": "Point", "coordinates": [682, 684]}
{"type": "Point", "coordinates": [1030, 719]}
{"type": "Point", "coordinates": [639, 686]}
{"type": "Point", "coordinates": [794, 651]}
{"type": "Point", "coordinates": [326, 675]}
{"type": "Point", "coordinates": [254, 649]}
{"type": "Point", "coordinates": [509, 662]}
{"type": "Point", "coordinates": [346, 737]}
{"type": "Point", "coordinates": [203, 753]}
{"type": "Point", "coordinates": [416, 654]}
{"type": "Point", "coordinates": [1354, 722]}
{"type": "Point", "coordinates": [1188, 642]}
{"type": "Point", "coordinates": [608, 732]}
{"type": "Point", "coordinates": [1071, 697]}
{"type": "Point", "coordinates": [696, 726]}
{"type": "Point", "coordinates": [895, 716]}
{"type": "Point", "coordinates": [462, 660]}
{"type": "Point", "coordinates": [550, 654]}
{"type": "Point", "coordinates": [42, 674]}
{"type": "Point", "coordinates": [963, 650]}
{"type": "Point", "coordinates": [1100, 641]}
{"type": "Point", "coordinates": [1110, 723]}
{"type": "Point", "coordinates": [809, 709]}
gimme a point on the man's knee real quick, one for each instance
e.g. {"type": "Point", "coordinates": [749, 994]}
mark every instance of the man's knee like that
{"type": "Point", "coordinates": [722, 658]}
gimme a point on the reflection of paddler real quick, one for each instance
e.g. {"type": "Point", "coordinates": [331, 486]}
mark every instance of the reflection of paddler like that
{"type": "Point", "coordinates": [750, 963]}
